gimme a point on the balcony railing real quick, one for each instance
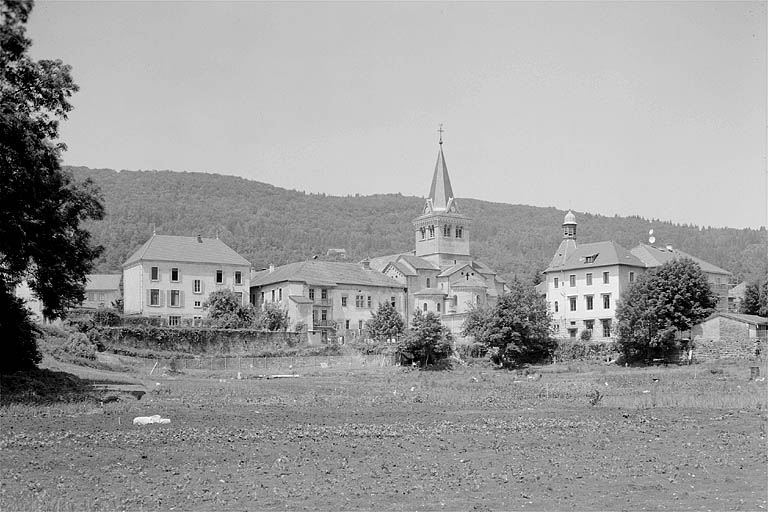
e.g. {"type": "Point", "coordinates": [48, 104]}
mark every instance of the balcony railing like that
{"type": "Point", "coordinates": [323, 323]}
{"type": "Point", "coordinates": [322, 302]}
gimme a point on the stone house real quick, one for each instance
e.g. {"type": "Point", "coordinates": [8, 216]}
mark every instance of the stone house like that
{"type": "Point", "coordinates": [330, 298]}
{"type": "Point", "coordinates": [730, 335]}
{"type": "Point", "coordinates": [171, 277]}
{"type": "Point", "coordinates": [102, 290]}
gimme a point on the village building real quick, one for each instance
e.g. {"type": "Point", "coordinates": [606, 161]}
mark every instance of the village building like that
{"type": "Point", "coordinates": [584, 282]}
{"type": "Point", "coordinates": [102, 291]}
{"type": "Point", "coordinates": [171, 277]}
{"type": "Point", "coordinates": [440, 275]}
{"type": "Point", "coordinates": [730, 335]}
{"type": "Point", "coordinates": [330, 299]}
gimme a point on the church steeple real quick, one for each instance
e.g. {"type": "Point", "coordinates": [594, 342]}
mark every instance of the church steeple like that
{"type": "Point", "coordinates": [442, 233]}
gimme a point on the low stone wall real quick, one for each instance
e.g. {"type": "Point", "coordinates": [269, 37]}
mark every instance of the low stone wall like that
{"type": "Point", "coordinates": [727, 347]}
{"type": "Point", "coordinates": [198, 340]}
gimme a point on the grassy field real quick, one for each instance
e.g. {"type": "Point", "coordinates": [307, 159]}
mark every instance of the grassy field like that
{"type": "Point", "coordinates": [354, 433]}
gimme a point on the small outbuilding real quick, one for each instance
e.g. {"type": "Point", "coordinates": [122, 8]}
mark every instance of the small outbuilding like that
{"type": "Point", "coordinates": [730, 335]}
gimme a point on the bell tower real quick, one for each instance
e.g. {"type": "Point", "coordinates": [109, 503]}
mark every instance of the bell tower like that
{"type": "Point", "coordinates": [441, 232]}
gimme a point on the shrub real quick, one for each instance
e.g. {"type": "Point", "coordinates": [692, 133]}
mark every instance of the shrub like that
{"type": "Point", "coordinates": [80, 345]}
{"type": "Point", "coordinates": [428, 341]}
{"type": "Point", "coordinates": [585, 335]}
{"type": "Point", "coordinates": [19, 333]}
{"type": "Point", "coordinates": [108, 317]}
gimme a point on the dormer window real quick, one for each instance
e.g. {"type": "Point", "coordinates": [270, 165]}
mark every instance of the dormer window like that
{"type": "Point", "coordinates": [590, 259]}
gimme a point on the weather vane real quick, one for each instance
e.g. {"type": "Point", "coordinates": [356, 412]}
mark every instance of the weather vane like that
{"type": "Point", "coordinates": [440, 130]}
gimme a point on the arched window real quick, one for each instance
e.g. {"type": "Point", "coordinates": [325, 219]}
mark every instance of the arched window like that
{"type": "Point", "coordinates": [438, 307]}
{"type": "Point", "coordinates": [428, 282]}
{"type": "Point", "coordinates": [423, 233]}
{"type": "Point", "coordinates": [425, 307]}
{"type": "Point", "coordinates": [447, 230]}
{"type": "Point", "coordinates": [459, 231]}
{"type": "Point", "coordinates": [431, 230]}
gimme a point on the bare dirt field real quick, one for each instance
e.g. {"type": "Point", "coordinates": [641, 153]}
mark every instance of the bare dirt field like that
{"type": "Point", "coordinates": [387, 438]}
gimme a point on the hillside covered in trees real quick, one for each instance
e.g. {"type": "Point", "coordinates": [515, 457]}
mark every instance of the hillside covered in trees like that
{"type": "Point", "coordinates": [270, 225]}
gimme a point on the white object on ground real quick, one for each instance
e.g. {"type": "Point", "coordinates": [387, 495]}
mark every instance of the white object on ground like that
{"type": "Point", "coordinates": [146, 420]}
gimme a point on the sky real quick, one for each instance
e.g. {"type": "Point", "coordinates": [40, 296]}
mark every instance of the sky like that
{"type": "Point", "coordinates": [655, 109]}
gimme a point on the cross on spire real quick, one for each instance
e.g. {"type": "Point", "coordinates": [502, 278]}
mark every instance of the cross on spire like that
{"type": "Point", "coordinates": [440, 130]}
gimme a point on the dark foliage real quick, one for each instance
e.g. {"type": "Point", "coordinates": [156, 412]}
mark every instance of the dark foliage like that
{"type": "Point", "coordinates": [426, 342]}
{"type": "Point", "coordinates": [385, 323]}
{"type": "Point", "coordinates": [18, 331]}
{"type": "Point", "coordinates": [41, 205]}
{"type": "Point", "coordinates": [518, 326]}
{"type": "Point", "coordinates": [756, 298]}
{"type": "Point", "coordinates": [662, 302]}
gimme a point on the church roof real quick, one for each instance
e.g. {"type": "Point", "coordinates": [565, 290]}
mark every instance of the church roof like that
{"type": "Point", "coordinates": [403, 269]}
{"type": "Point", "coordinates": [324, 273]}
{"type": "Point", "coordinates": [417, 262]}
{"type": "Point", "coordinates": [472, 282]}
{"type": "Point", "coordinates": [188, 249]}
{"type": "Point", "coordinates": [600, 254]}
{"type": "Point", "coordinates": [430, 291]}
{"type": "Point", "coordinates": [653, 256]}
{"type": "Point", "coordinates": [441, 192]}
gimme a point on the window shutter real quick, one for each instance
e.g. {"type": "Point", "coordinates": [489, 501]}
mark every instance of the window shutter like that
{"type": "Point", "coordinates": [181, 299]}
{"type": "Point", "coordinates": [202, 286]}
{"type": "Point", "coordinates": [162, 297]}
{"type": "Point", "coordinates": [149, 297]}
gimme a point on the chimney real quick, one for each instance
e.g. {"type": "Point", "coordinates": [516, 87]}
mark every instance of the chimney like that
{"type": "Point", "coordinates": [271, 268]}
{"type": "Point", "coordinates": [199, 239]}
{"type": "Point", "coordinates": [366, 263]}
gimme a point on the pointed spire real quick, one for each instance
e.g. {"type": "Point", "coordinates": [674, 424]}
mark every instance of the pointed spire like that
{"type": "Point", "coordinates": [440, 193]}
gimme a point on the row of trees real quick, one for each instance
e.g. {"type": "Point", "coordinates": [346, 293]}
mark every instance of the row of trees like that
{"type": "Point", "coordinates": [226, 312]}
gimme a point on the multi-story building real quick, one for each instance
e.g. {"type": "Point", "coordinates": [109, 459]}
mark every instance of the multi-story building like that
{"type": "Point", "coordinates": [584, 282]}
{"type": "Point", "coordinates": [171, 277]}
{"type": "Point", "coordinates": [329, 298]}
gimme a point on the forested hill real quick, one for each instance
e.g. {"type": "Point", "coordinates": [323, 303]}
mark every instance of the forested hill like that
{"type": "Point", "coordinates": [267, 224]}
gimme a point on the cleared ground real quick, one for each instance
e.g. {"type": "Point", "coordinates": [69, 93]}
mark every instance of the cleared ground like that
{"type": "Point", "coordinates": [351, 437]}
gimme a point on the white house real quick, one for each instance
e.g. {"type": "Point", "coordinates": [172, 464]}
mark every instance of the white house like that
{"type": "Point", "coordinates": [171, 277]}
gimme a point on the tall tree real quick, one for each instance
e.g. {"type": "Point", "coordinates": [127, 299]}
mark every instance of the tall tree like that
{"type": "Point", "coordinates": [518, 326]}
{"type": "Point", "coordinates": [41, 239]}
{"type": "Point", "coordinates": [386, 323]}
{"type": "Point", "coordinates": [665, 300]}
{"type": "Point", "coordinates": [756, 298]}
{"type": "Point", "coordinates": [427, 341]}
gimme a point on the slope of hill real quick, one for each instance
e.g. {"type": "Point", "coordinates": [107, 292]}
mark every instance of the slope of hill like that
{"type": "Point", "coordinates": [267, 224]}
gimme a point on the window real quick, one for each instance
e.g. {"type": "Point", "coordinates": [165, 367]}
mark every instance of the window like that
{"type": "Point", "coordinates": [346, 324]}
{"type": "Point", "coordinates": [360, 324]}
{"type": "Point", "coordinates": [154, 297]}
{"type": "Point", "coordinates": [438, 307]}
{"type": "Point", "coordinates": [198, 304]}
{"type": "Point", "coordinates": [572, 301]}
{"type": "Point", "coordinates": [392, 301]}
{"type": "Point", "coordinates": [572, 332]}
{"type": "Point", "coordinates": [174, 321]}
{"type": "Point", "coordinates": [197, 286]}
{"type": "Point", "coordinates": [428, 282]}
{"type": "Point", "coordinates": [155, 274]}
{"type": "Point", "coordinates": [447, 230]}
{"type": "Point", "coordinates": [219, 276]}
{"type": "Point", "coordinates": [606, 301]}
{"type": "Point", "coordinates": [423, 233]}
{"type": "Point", "coordinates": [323, 294]}
{"type": "Point", "coordinates": [589, 325]}
{"type": "Point", "coordinates": [424, 306]}
{"type": "Point", "coordinates": [589, 279]}
{"type": "Point", "coordinates": [312, 293]}
{"type": "Point", "coordinates": [175, 298]}
{"type": "Point", "coordinates": [631, 277]}
{"type": "Point", "coordinates": [239, 296]}
{"type": "Point", "coordinates": [572, 280]}
{"type": "Point", "coordinates": [273, 295]}
{"type": "Point", "coordinates": [324, 315]}
{"type": "Point", "coordinates": [557, 307]}
{"type": "Point", "coordinates": [262, 297]}
{"type": "Point", "coordinates": [606, 328]}
{"type": "Point", "coordinates": [606, 277]}
{"type": "Point", "coordinates": [175, 275]}
{"type": "Point", "coordinates": [590, 302]}
{"type": "Point", "coordinates": [238, 277]}
{"type": "Point", "coordinates": [280, 294]}
{"type": "Point", "coordinates": [459, 231]}
{"type": "Point", "coordinates": [197, 321]}
{"type": "Point", "coordinates": [590, 259]}
{"type": "Point", "coordinates": [343, 301]}
{"type": "Point", "coordinates": [370, 302]}
{"type": "Point", "coordinates": [431, 231]}
{"type": "Point", "coordinates": [359, 301]}
{"type": "Point", "coordinates": [557, 282]}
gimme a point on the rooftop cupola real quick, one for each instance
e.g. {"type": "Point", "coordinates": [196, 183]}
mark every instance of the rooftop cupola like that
{"type": "Point", "coordinates": [569, 226]}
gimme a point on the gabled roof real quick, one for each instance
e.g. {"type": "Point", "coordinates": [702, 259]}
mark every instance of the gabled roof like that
{"type": "Point", "coordinates": [738, 291]}
{"type": "Point", "coordinates": [417, 262]}
{"type": "Point", "coordinates": [441, 192]}
{"type": "Point", "coordinates": [324, 273]}
{"type": "Point", "coordinates": [747, 319]}
{"type": "Point", "coordinates": [453, 269]}
{"type": "Point", "coordinates": [604, 253]}
{"type": "Point", "coordinates": [103, 281]}
{"type": "Point", "coordinates": [401, 268]}
{"type": "Point", "coordinates": [380, 262]}
{"type": "Point", "coordinates": [653, 256]}
{"type": "Point", "coordinates": [186, 249]}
